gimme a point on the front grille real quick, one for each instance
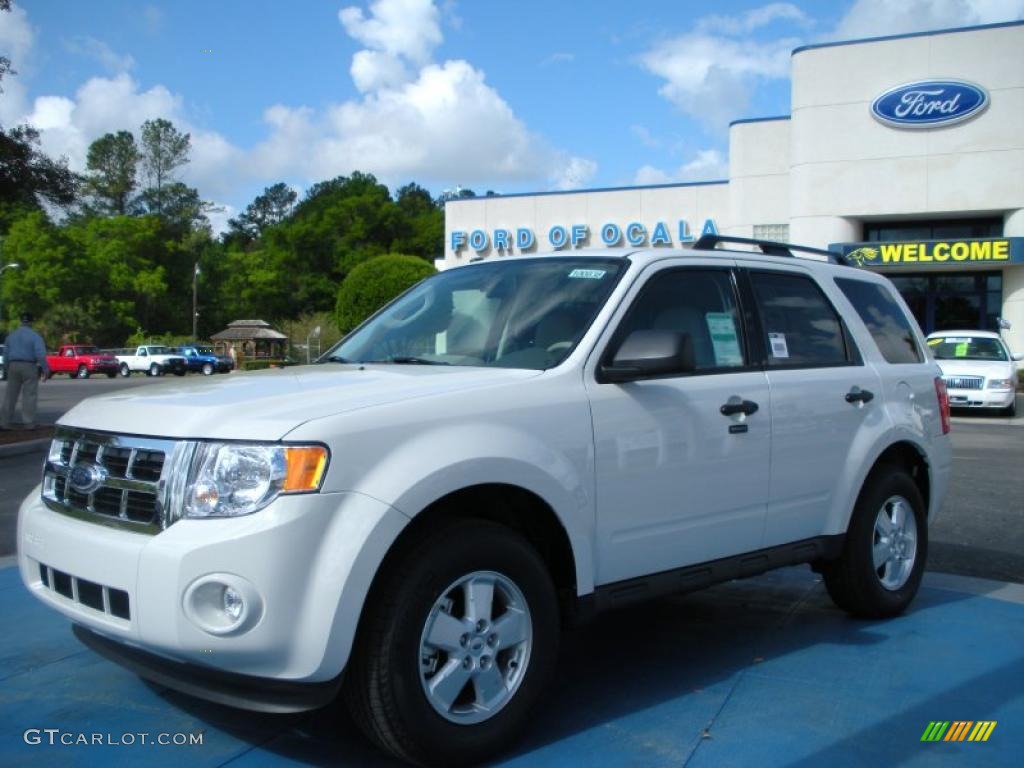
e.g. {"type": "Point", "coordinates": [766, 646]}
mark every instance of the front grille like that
{"type": "Point", "coordinates": [114, 479]}
{"type": "Point", "coordinates": [107, 600]}
{"type": "Point", "coordinates": [964, 382]}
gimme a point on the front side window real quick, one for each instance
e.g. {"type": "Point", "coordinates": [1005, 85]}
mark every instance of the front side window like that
{"type": "Point", "coordinates": [967, 348]}
{"type": "Point", "coordinates": [883, 317]}
{"type": "Point", "coordinates": [521, 313]}
{"type": "Point", "coordinates": [698, 303]}
{"type": "Point", "coordinates": [801, 328]}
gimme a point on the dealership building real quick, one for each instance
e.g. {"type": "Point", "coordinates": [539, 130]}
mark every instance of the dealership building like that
{"type": "Point", "coordinates": [905, 153]}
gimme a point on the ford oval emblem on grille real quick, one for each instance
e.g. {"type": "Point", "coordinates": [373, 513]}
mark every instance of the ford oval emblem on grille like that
{"type": "Point", "coordinates": [86, 478]}
{"type": "Point", "coordinates": [930, 103]}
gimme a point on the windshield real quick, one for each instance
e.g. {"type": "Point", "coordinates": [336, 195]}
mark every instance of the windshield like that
{"type": "Point", "coordinates": [522, 313]}
{"type": "Point", "coordinates": [967, 348]}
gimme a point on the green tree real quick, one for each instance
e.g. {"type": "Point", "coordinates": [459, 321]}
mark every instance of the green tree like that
{"type": "Point", "coordinates": [28, 175]}
{"type": "Point", "coordinates": [372, 284]}
{"type": "Point", "coordinates": [270, 208]}
{"type": "Point", "coordinates": [113, 161]}
{"type": "Point", "coordinates": [164, 149]}
{"type": "Point", "coordinates": [420, 229]}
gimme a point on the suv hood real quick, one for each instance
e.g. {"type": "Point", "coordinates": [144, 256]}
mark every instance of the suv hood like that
{"type": "Point", "coordinates": [266, 405]}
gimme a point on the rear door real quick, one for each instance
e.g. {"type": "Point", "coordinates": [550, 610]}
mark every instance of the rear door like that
{"type": "Point", "coordinates": [822, 396]}
{"type": "Point", "coordinates": [677, 481]}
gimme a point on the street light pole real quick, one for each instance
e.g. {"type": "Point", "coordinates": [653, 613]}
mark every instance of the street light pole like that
{"type": "Point", "coordinates": [12, 265]}
{"type": "Point", "coordinates": [195, 313]}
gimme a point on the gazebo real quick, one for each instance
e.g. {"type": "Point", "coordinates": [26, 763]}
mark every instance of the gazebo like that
{"type": "Point", "coordinates": [252, 339]}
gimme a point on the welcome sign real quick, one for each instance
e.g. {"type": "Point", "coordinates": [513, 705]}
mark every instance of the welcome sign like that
{"type": "Point", "coordinates": [976, 252]}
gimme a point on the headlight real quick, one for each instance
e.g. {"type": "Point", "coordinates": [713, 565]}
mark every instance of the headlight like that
{"type": "Point", "coordinates": [233, 479]}
{"type": "Point", "coordinates": [1000, 384]}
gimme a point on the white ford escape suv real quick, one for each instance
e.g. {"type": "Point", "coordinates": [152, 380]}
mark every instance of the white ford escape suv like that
{"type": "Point", "coordinates": [509, 446]}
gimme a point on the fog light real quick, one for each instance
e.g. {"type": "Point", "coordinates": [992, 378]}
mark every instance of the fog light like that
{"type": "Point", "coordinates": [222, 604]}
{"type": "Point", "coordinates": [233, 603]}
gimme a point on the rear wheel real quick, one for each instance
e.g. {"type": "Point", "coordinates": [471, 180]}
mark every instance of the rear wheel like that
{"type": "Point", "coordinates": [155, 370]}
{"type": "Point", "coordinates": [82, 373]}
{"type": "Point", "coordinates": [125, 370]}
{"type": "Point", "coordinates": [886, 545]}
{"type": "Point", "coordinates": [457, 644]}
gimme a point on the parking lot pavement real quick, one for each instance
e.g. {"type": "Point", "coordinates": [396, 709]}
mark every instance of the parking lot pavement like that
{"type": "Point", "coordinates": [759, 672]}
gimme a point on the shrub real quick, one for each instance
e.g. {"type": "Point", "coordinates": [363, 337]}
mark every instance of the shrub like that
{"type": "Point", "coordinates": [372, 284]}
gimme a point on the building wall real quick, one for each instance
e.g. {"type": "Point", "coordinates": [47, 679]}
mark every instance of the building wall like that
{"type": "Point", "coordinates": [847, 165]}
{"type": "Point", "coordinates": [759, 152]}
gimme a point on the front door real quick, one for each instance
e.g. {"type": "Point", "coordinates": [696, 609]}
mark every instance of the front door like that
{"type": "Point", "coordinates": [678, 482]}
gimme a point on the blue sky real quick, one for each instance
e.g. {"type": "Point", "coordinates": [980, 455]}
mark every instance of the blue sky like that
{"type": "Point", "coordinates": [509, 96]}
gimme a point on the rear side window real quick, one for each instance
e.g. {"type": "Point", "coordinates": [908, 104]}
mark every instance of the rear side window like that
{"type": "Point", "coordinates": [801, 328]}
{"type": "Point", "coordinates": [885, 320]}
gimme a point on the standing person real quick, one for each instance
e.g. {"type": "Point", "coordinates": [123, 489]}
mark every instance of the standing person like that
{"type": "Point", "coordinates": [25, 360]}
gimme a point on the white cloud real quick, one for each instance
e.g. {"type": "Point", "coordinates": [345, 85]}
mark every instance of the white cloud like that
{"type": "Point", "coordinates": [401, 28]}
{"type": "Point", "coordinates": [753, 19]}
{"type": "Point", "coordinates": [711, 78]}
{"type": "Point", "coordinates": [871, 18]}
{"type": "Point", "coordinates": [16, 38]}
{"type": "Point", "coordinates": [110, 60]}
{"type": "Point", "coordinates": [707, 165]}
{"type": "Point", "coordinates": [560, 57]}
{"type": "Point", "coordinates": [435, 123]}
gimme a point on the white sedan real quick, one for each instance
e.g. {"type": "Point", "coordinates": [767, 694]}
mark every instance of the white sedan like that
{"type": "Point", "coordinates": [978, 369]}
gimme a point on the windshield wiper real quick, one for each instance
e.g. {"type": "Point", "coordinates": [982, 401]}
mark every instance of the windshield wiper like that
{"type": "Point", "coordinates": [406, 360]}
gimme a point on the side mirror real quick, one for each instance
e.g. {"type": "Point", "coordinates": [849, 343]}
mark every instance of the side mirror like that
{"type": "Point", "coordinates": [650, 353]}
{"type": "Point", "coordinates": [1019, 357]}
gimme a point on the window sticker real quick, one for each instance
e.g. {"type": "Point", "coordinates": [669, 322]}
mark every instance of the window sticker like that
{"type": "Point", "coordinates": [935, 342]}
{"type": "Point", "coordinates": [724, 339]}
{"type": "Point", "coordinates": [779, 347]}
{"type": "Point", "coordinates": [957, 340]}
{"type": "Point", "coordinates": [587, 274]}
{"type": "Point", "coordinates": [960, 350]}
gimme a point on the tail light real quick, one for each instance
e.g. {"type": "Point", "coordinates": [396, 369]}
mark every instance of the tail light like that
{"type": "Point", "coordinates": [943, 395]}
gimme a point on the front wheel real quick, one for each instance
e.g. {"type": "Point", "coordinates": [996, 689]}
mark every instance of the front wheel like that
{"type": "Point", "coordinates": [207, 369]}
{"type": "Point", "coordinates": [457, 645]}
{"type": "Point", "coordinates": [886, 545]}
{"type": "Point", "coordinates": [125, 370]}
{"type": "Point", "coordinates": [82, 373]}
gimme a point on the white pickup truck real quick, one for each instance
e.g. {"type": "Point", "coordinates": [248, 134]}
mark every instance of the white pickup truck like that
{"type": "Point", "coordinates": [152, 359]}
{"type": "Point", "coordinates": [510, 447]}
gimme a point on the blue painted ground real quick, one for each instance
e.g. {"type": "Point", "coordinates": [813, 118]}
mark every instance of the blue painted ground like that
{"type": "Point", "coordinates": [763, 672]}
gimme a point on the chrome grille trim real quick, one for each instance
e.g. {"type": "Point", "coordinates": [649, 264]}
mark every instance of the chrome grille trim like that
{"type": "Point", "coordinates": [964, 382]}
{"type": "Point", "coordinates": [145, 505]}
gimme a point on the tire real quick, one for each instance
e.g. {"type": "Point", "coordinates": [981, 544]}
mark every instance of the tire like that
{"type": "Point", "coordinates": [852, 581]}
{"type": "Point", "coordinates": [386, 685]}
{"type": "Point", "coordinates": [156, 370]}
{"type": "Point", "coordinates": [207, 369]}
{"type": "Point", "coordinates": [1010, 411]}
{"type": "Point", "coordinates": [124, 370]}
{"type": "Point", "coordinates": [82, 372]}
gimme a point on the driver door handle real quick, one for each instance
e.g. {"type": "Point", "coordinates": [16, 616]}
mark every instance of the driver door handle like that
{"type": "Point", "coordinates": [735, 405]}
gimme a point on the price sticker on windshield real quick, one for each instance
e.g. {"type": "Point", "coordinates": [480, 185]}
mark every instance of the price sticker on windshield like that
{"type": "Point", "coordinates": [587, 274]}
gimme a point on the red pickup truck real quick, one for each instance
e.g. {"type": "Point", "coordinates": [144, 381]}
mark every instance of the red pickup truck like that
{"type": "Point", "coordinates": [81, 361]}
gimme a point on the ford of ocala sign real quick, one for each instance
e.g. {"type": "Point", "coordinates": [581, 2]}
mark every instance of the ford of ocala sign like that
{"type": "Point", "coordinates": [930, 103]}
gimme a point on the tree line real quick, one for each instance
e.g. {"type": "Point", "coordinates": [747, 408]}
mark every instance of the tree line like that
{"type": "Point", "coordinates": [110, 254]}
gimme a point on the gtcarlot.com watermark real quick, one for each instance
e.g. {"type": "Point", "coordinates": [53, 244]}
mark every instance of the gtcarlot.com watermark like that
{"type": "Point", "coordinates": [56, 737]}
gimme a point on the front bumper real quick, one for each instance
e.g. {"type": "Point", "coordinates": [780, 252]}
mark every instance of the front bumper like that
{"type": "Point", "coordinates": [981, 398]}
{"type": "Point", "coordinates": [308, 559]}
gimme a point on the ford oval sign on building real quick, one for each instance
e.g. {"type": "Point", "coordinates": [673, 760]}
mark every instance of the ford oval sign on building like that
{"type": "Point", "coordinates": [930, 103]}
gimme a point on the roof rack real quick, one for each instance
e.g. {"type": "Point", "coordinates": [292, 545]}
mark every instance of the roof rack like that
{"type": "Point", "coordinates": [768, 247]}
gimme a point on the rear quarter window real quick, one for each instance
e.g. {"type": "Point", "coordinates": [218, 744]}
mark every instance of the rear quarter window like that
{"type": "Point", "coordinates": [884, 318]}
